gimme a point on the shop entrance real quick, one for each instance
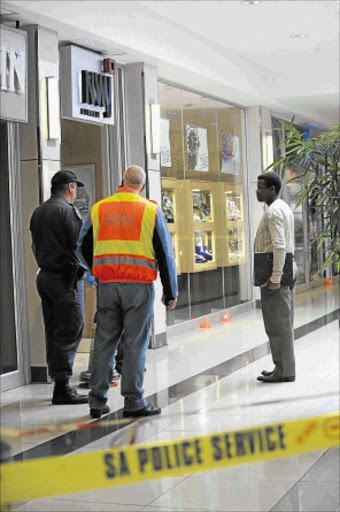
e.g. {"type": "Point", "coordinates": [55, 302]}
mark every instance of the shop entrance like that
{"type": "Point", "coordinates": [84, 150]}
{"type": "Point", "coordinates": [13, 364]}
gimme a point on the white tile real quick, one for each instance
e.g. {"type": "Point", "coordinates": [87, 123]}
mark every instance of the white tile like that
{"type": "Point", "coordinates": [18, 447]}
{"type": "Point", "coordinates": [206, 423]}
{"type": "Point", "coordinates": [56, 505]}
{"type": "Point", "coordinates": [326, 469]}
{"type": "Point", "coordinates": [208, 493]}
{"type": "Point", "coordinates": [290, 469]}
{"type": "Point", "coordinates": [307, 408]}
{"type": "Point", "coordinates": [311, 497]}
{"type": "Point", "coordinates": [235, 401]}
{"type": "Point", "coordinates": [149, 508]}
{"type": "Point", "coordinates": [137, 494]}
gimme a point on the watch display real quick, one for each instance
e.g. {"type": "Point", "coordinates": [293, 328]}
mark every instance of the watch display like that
{"type": "Point", "coordinates": [233, 206]}
{"type": "Point", "coordinates": [201, 204]}
{"type": "Point", "coordinates": [203, 247]}
{"type": "Point", "coordinates": [168, 206]}
{"type": "Point", "coordinates": [235, 244]}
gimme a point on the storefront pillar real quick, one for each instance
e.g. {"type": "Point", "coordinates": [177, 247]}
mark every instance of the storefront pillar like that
{"type": "Point", "coordinates": [40, 159]}
{"type": "Point", "coordinates": [259, 157]}
{"type": "Point", "coordinates": [142, 124]}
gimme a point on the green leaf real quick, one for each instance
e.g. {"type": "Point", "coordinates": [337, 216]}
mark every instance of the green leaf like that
{"type": "Point", "coordinates": [328, 260]}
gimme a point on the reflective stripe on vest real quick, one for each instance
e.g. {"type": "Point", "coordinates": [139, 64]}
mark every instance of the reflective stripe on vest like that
{"type": "Point", "coordinates": [123, 227]}
{"type": "Point", "coordinates": [120, 260]}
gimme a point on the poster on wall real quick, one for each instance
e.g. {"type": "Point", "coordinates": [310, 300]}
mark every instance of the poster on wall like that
{"type": "Point", "coordinates": [85, 195]}
{"type": "Point", "coordinates": [230, 154]}
{"type": "Point", "coordinates": [197, 148]}
{"type": "Point", "coordinates": [165, 143]}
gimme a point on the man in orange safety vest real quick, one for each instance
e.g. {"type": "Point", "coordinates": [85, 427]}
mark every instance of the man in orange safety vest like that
{"type": "Point", "coordinates": [126, 243]}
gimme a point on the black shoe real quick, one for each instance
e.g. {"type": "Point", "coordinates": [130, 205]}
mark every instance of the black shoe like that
{"type": "Point", "coordinates": [267, 374]}
{"type": "Point", "coordinates": [68, 396]}
{"type": "Point", "coordinates": [97, 413]}
{"type": "Point", "coordinates": [274, 378]}
{"type": "Point", "coordinates": [148, 410]}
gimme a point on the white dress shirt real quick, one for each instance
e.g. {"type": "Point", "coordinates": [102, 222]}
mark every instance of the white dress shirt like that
{"type": "Point", "coordinates": [275, 234]}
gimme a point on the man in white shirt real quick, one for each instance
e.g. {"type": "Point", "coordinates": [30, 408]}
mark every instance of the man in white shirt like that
{"type": "Point", "coordinates": [275, 234]}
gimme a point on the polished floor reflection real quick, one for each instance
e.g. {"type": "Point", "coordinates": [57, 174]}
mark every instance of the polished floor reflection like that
{"type": "Point", "coordinates": [205, 381]}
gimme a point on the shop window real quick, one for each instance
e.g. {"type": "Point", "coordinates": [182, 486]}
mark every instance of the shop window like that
{"type": "Point", "coordinates": [202, 169]}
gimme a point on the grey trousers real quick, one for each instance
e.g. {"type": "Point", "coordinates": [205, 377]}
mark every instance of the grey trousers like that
{"type": "Point", "coordinates": [278, 317]}
{"type": "Point", "coordinates": [127, 307]}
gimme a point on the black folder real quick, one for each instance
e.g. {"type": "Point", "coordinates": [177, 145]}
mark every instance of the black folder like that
{"type": "Point", "coordinates": [263, 268]}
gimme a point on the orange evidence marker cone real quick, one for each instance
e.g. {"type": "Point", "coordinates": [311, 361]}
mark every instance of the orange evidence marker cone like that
{"type": "Point", "coordinates": [205, 323]}
{"type": "Point", "coordinates": [227, 317]}
{"type": "Point", "coordinates": [329, 282]}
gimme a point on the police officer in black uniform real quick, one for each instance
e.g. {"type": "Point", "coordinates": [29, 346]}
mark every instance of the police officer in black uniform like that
{"type": "Point", "coordinates": [55, 227]}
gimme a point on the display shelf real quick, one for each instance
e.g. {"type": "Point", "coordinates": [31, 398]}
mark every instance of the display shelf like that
{"type": "Point", "coordinates": [170, 202]}
{"type": "Point", "coordinates": [233, 205]}
{"type": "Point", "coordinates": [200, 251]}
{"type": "Point", "coordinates": [231, 229]}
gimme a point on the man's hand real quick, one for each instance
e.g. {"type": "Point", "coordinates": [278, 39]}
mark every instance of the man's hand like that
{"type": "Point", "coordinates": [271, 286]}
{"type": "Point", "coordinates": [170, 304]}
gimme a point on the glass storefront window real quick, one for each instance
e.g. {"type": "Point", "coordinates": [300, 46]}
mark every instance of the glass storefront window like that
{"type": "Point", "coordinates": [203, 176]}
{"type": "Point", "coordinates": [293, 189]}
{"type": "Point", "coordinates": [290, 195]}
{"type": "Point", "coordinates": [307, 219]}
{"type": "Point", "coordinates": [8, 338]}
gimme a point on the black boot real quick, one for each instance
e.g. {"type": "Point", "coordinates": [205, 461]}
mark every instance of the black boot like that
{"type": "Point", "coordinates": [64, 395]}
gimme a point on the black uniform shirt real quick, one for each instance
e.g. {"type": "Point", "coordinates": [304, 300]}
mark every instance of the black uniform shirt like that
{"type": "Point", "coordinates": [55, 227]}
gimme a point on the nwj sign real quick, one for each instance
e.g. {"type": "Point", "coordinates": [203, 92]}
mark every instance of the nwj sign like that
{"type": "Point", "coordinates": [96, 90]}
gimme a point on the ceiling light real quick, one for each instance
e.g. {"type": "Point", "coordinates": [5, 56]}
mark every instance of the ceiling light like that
{"type": "Point", "coordinates": [251, 2]}
{"type": "Point", "coordinates": [298, 36]}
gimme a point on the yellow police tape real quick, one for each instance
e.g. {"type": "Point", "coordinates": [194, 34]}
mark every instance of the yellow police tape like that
{"type": "Point", "coordinates": [53, 476]}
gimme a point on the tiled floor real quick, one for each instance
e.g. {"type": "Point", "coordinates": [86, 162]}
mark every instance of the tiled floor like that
{"type": "Point", "coordinates": [206, 382]}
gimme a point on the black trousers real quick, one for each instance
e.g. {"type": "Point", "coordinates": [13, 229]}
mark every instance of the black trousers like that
{"type": "Point", "coordinates": [63, 321]}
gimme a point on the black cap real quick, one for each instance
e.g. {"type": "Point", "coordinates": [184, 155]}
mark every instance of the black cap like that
{"type": "Point", "coordinates": [64, 178]}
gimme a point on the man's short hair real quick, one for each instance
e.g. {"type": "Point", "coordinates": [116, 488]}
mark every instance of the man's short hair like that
{"type": "Point", "coordinates": [134, 175]}
{"type": "Point", "coordinates": [272, 180]}
{"type": "Point", "coordinates": [59, 189]}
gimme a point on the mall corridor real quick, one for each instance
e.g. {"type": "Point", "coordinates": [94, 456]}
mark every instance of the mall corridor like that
{"type": "Point", "coordinates": [207, 384]}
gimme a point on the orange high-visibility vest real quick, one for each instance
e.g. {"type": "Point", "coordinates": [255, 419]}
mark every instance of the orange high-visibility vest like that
{"type": "Point", "coordinates": [123, 227]}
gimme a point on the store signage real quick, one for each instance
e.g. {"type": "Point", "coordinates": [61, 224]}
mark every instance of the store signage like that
{"type": "Point", "coordinates": [86, 86]}
{"type": "Point", "coordinates": [13, 70]}
{"type": "Point", "coordinates": [96, 91]}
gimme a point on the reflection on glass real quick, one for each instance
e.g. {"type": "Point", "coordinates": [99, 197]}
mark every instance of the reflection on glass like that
{"type": "Point", "coordinates": [202, 171]}
{"type": "Point", "coordinates": [316, 261]}
{"type": "Point", "coordinates": [293, 190]}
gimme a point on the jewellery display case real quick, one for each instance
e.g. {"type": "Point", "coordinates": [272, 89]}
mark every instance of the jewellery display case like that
{"type": "Point", "coordinates": [200, 221]}
{"type": "Point", "coordinates": [199, 213]}
{"type": "Point", "coordinates": [170, 201]}
{"type": "Point", "coordinates": [231, 229]}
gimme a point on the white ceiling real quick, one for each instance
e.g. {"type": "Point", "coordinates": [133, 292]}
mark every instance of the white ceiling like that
{"type": "Point", "coordinates": [242, 53]}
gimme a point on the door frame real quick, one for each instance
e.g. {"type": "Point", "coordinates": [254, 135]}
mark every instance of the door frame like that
{"type": "Point", "coordinates": [20, 376]}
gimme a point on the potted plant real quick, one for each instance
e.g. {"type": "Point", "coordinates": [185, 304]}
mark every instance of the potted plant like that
{"type": "Point", "coordinates": [318, 163]}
